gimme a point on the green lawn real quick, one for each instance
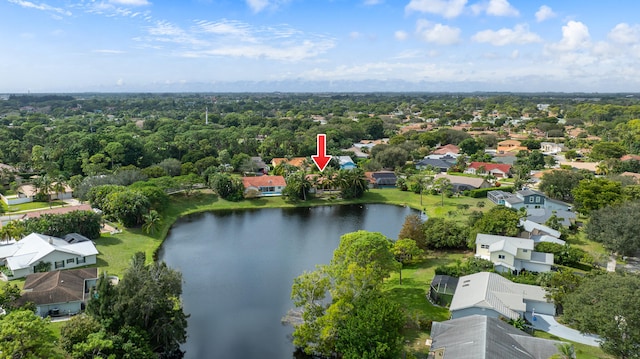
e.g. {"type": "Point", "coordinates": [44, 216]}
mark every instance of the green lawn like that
{"type": "Point", "coordinates": [582, 351]}
{"type": "Point", "coordinates": [412, 296]}
{"type": "Point", "coordinates": [55, 327]}
{"type": "Point", "coordinates": [33, 205]}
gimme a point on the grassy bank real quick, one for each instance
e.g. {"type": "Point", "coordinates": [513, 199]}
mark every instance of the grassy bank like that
{"type": "Point", "coordinates": [412, 297]}
{"type": "Point", "coordinates": [583, 351]}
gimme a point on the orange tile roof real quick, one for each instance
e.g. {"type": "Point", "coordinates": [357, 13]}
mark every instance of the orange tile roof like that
{"type": "Point", "coordinates": [630, 157]}
{"type": "Point", "coordinates": [295, 161]}
{"type": "Point", "coordinates": [263, 181]}
{"type": "Point", "coordinates": [443, 150]}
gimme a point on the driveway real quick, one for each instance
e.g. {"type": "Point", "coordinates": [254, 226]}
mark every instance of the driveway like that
{"type": "Point", "coordinates": [549, 324]}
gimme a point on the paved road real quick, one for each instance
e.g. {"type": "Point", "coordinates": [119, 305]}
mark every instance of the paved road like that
{"type": "Point", "coordinates": [549, 324]}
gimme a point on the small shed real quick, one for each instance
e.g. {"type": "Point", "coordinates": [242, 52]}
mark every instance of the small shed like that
{"type": "Point", "coordinates": [442, 289]}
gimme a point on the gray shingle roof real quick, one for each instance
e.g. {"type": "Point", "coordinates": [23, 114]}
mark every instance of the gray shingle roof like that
{"type": "Point", "coordinates": [56, 287]}
{"type": "Point", "coordinates": [481, 337]}
{"type": "Point", "coordinates": [493, 291]}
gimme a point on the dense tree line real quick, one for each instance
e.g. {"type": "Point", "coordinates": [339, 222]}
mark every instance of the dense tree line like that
{"type": "Point", "coordinates": [86, 223]}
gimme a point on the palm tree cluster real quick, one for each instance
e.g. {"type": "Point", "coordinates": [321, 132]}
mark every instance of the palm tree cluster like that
{"type": "Point", "coordinates": [12, 230]}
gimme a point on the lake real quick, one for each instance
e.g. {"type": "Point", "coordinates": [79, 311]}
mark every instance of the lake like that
{"type": "Point", "coordinates": [238, 268]}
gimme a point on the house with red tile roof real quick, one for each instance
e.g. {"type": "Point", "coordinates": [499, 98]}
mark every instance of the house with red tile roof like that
{"type": "Point", "coordinates": [630, 158]}
{"type": "Point", "coordinates": [263, 186]}
{"type": "Point", "coordinates": [443, 150]}
{"type": "Point", "coordinates": [295, 161]}
{"type": "Point", "coordinates": [498, 170]}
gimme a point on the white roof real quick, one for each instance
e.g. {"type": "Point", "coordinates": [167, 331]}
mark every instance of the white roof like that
{"type": "Point", "coordinates": [493, 291]}
{"type": "Point", "coordinates": [548, 238]}
{"type": "Point", "coordinates": [530, 226]}
{"type": "Point", "coordinates": [344, 160]}
{"type": "Point", "coordinates": [490, 239]}
{"type": "Point", "coordinates": [32, 248]}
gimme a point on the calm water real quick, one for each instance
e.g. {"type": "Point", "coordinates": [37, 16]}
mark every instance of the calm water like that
{"type": "Point", "coordinates": [238, 268]}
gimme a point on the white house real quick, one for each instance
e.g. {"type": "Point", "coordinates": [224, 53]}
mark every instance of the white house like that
{"type": "Point", "coordinates": [493, 295]}
{"type": "Point", "coordinates": [551, 148]}
{"type": "Point", "coordinates": [512, 253]}
{"type": "Point", "coordinates": [22, 257]}
{"type": "Point", "coordinates": [59, 292]}
{"type": "Point", "coordinates": [539, 232]}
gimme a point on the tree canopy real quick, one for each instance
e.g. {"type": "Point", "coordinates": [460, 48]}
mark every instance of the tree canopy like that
{"type": "Point", "coordinates": [148, 298]}
{"type": "Point", "coordinates": [607, 305]}
{"type": "Point", "coordinates": [596, 193]}
{"type": "Point", "coordinates": [358, 322]}
{"type": "Point", "coordinates": [616, 227]}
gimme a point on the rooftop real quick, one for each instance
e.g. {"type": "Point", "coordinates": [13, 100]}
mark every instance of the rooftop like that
{"type": "Point", "coordinates": [482, 337]}
{"type": "Point", "coordinates": [263, 181]}
{"type": "Point", "coordinates": [57, 286]}
{"type": "Point", "coordinates": [493, 291]}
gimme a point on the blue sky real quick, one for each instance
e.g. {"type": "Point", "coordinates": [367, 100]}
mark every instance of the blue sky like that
{"type": "Point", "coordinates": [153, 45]}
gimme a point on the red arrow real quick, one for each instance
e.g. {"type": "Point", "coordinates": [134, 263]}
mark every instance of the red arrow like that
{"type": "Point", "coordinates": [321, 159]}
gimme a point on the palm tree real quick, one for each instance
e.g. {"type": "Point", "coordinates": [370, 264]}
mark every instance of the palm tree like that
{"type": "Point", "coordinates": [59, 186]}
{"type": "Point", "coordinates": [298, 185]}
{"type": "Point", "coordinates": [5, 233]}
{"type": "Point", "coordinates": [352, 183]}
{"type": "Point", "coordinates": [602, 168]}
{"type": "Point", "coordinates": [152, 222]}
{"type": "Point", "coordinates": [421, 183]}
{"type": "Point", "coordinates": [565, 351]}
{"type": "Point", "coordinates": [16, 230]}
{"type": "Point", "coordinates": [442, 185]}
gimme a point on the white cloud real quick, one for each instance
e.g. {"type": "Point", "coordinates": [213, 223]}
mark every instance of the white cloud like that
{"type": "Point", "coordinates": [372, 2]}
{"type": "Point", "coordinates": [354, 35]}
{"type": "Point", "coordinates": [228, 38]}
{"type": "Point", "coordinates": [515, 54]}
{"type": "Point", "coordinates": [259, 5]}
{"type": "Point", "coordinates": [445, 8]}
{"type": "Point", "coordinates": [130, 2]}
{"type": "Point", "coordinates": [520, 34]}
{"type": "Point", "coordinates": [293, 52]}
{"type": "Point", "coordinates": [501, 8]}
{"type": "Point", "coordinates": [437, 33]}
{"type": "Point", "coordinates": [495, 8]}
{"type": "Point", "coordinates": [400, 35]}
{"type": "Point", "coordinates": [41, 6]}
{"type": "Point", "coordinates": [226, 28]}
{"type": "Point", "coordinates": [575, 36]}
{"type": "Point", "coordinates": [624, 33]}
{"type": "Point", "coordinates": [544, 13]}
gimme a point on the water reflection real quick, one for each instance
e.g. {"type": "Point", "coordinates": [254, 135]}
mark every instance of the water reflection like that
{"type": "Point", "coordinates": [238, 268]}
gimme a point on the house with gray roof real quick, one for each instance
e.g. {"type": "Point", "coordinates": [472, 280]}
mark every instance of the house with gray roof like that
{"type": "Point", "coordinates": [539, 232]}
{"type": "Point", "coordinates": [512, 253]}
{"type": "Point", "coordinates": [438, 164]}
{"type": "Point", "coordinates": [539, 207]}
{"type": "Point", "coordinates": [59, 292]}
{"type": "Point", "coordinates": [493, 295]}
{"type": "Point", "coordinates": [481, 337]}
{"type": "Point", "coordinates": [463, 183]}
